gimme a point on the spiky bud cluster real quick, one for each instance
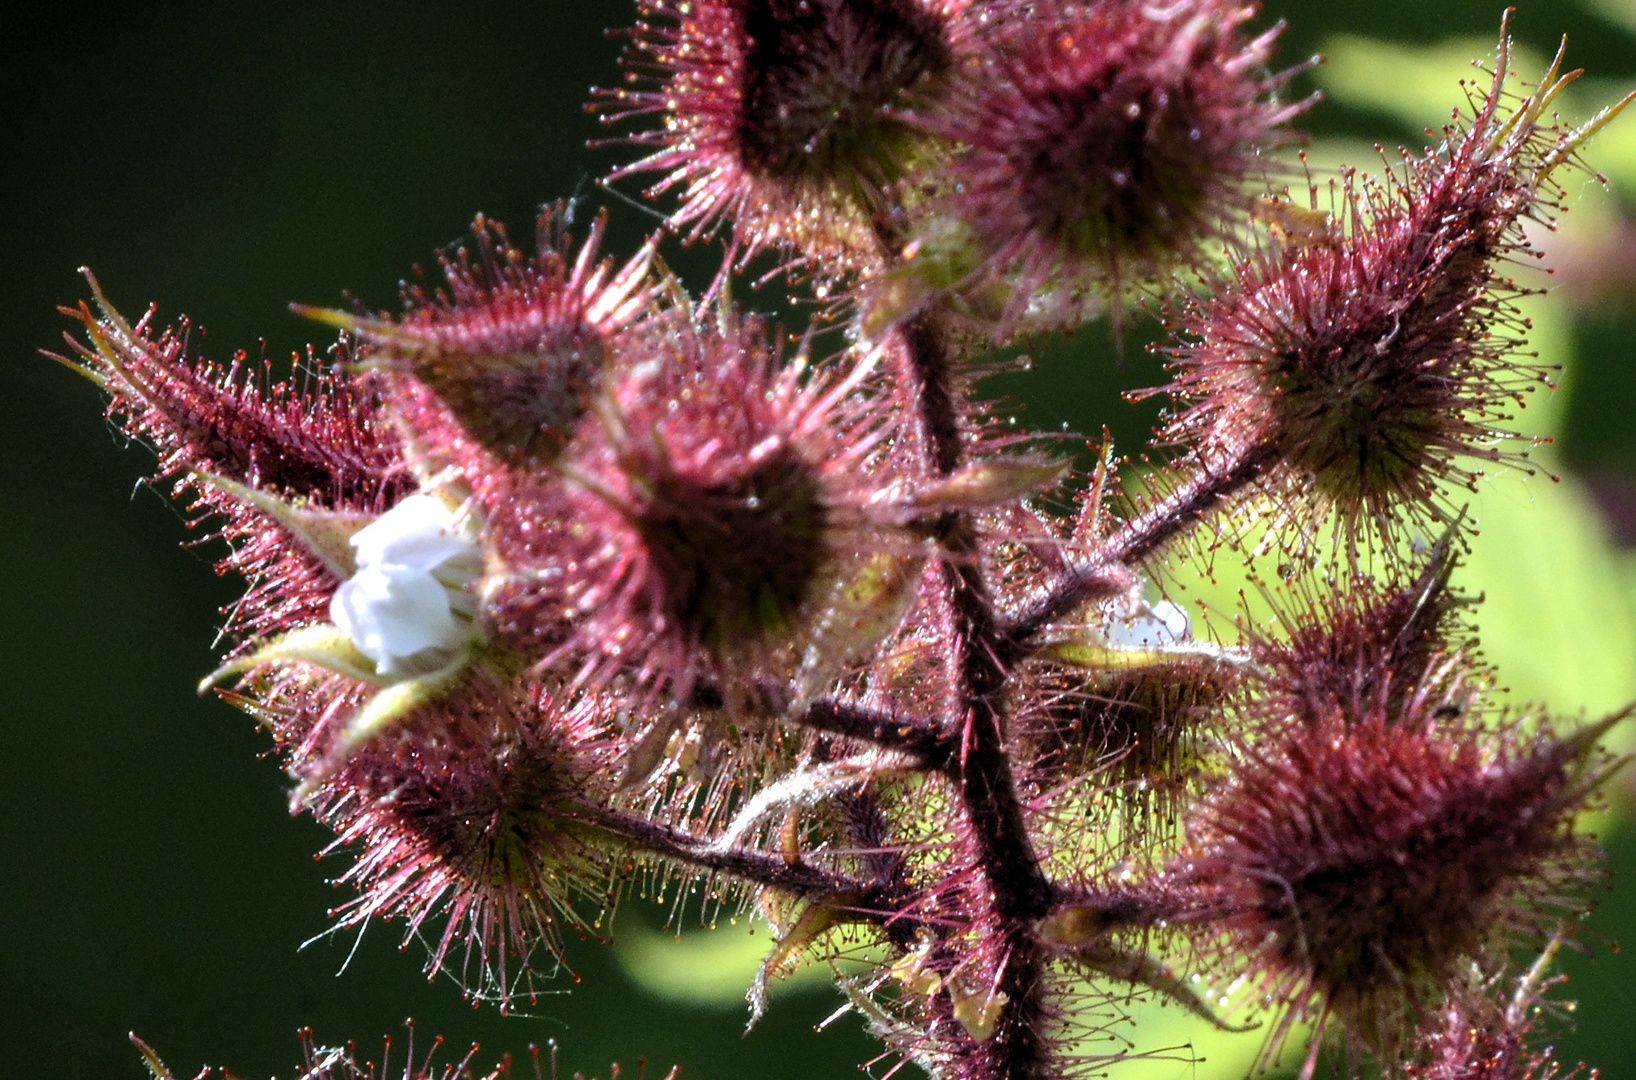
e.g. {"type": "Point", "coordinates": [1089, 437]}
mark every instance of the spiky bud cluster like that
{"type": "Point", "coordinates": [1361, 867]}
{"type": "Point", "coordinates": [1481, 1038]}
{"type": "Point", "coordinates": [1382, 828]}
{"type": "Point", "coordinates": [783, 118]}
{"type": "Point", "coordinates": [1103, 145]}
{"type": "Point", "coordinates": [751, 529]}
{"type": "Point", "coordinates": [564, 583]}
{"type": "Point", "coordinates": [1375, 352]}
{"type": "Point", "coordinates": [1056, 152]}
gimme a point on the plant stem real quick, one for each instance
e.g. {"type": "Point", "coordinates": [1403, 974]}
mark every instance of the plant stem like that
{"type": "Point", "coordinates": [882, 860]}
{"type": "Point", "coordinates": [878, 900]}
{"type": "Point", "coordinates": [760, 868]}
{"type": "Point", "coordinates": [904, 734]}
{"type": "Point", "coordinates": [981, 770]}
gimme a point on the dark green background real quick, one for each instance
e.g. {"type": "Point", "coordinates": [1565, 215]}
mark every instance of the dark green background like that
{"type": "Point", "coordinates": [224, 160]}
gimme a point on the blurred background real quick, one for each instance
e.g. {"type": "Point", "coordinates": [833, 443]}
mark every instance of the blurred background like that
{"type": "Point", "coordinates": [223, 160]}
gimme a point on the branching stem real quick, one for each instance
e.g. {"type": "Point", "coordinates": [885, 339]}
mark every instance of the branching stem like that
{"type": "Point", "coordinates": [760, 868]}
{"type": "Point", "coordinates": [1106, 571]}
{"type": "Point", "coordinates": [878, 900]}
{"type": "Point", "coordinates": [981, 770]}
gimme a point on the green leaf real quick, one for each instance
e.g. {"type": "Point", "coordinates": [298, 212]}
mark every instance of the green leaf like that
{"type": "Point", "coordinates": [1414, 84]}
{"type": "Point", "coordinates": [703, 967]}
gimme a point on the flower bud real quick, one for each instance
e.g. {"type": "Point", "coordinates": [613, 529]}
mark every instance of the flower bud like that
{"type": "Point", "coordinates": [742, 526]}
{"type": "Point", "coordinates": [1105, 144]}
{"type": "Point", "coordinates": [1378, 358]}
{"type": "Point", "coordinates": [1368, 651]}
{"type": "Point", "coordinates": [781, 116]}
{"type": "Point", "coordinates": [1361, 869]}
{"type": "Point", "coordinates": [1128, 700]}
{"type": "Point", "coordinates": [321, 441]}
{"type": "Point", "coordinates": [512, 348]}
{"type": "Point", "coordinates": [465, 813]}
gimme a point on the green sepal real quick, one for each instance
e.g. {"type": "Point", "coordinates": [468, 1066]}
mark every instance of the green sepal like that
{"type": "Point", "coordinates": [990, 483]}
{"type": "Point", "coordinates": [861, 607]}
{"type": "Point", "coordinates": [815, 920]}
{"type": "Point", "coordinates": [1093, 657]}
{"type": "Point", "coordinates": [396, 702]}
{"type": "Point", "coordinates": [325, 645]}
{"type": "Point", "coordinates": [978, 1011]}
{"type": "Point", "coordinates": [1138, 968]}
{"type": "Point", "coordinates": [325, 534]}
{"type": "Point", "coordinates": [350, 323]}
{"type": "Point", "coordinates": [1590, 773]}
{"type": "Point", "coordinates": [393, 704]}
{"type": "Point", "coordinates": [937, 261]}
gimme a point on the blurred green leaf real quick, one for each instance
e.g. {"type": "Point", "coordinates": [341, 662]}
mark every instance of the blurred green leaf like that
{"type": "Point", "coordinates": [710, 967]}
{"type": "Point", "coordinates": [1622, 12]}
{"type": "Point", "coordinates": [1163, 1041]}
{"type": "Point", "coordinates": [1417, 85]}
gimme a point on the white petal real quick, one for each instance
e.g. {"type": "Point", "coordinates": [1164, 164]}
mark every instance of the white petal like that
{"type": "Point", "coordinates": [418, 533]}
{"type": "Point", "coordinates": [1174, 618]}
{"type": "Point", "coordinates": [392, 614]}
{"type": "Point", "coordinates": [1162, 624]}
{"type": "Point", "coordinates": [409, 591]}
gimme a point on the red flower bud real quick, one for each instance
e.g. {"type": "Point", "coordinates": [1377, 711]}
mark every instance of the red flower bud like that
{"type": "Point", "coordinates": [1376, 355]}
{"type": "Point", "coordinates": [1104, 145]}
{"type": "Point", "coordinates": [781, 116]}
{"type": "Point", "coordinates": [512, 347]}
{"type": "Point", "coordinates": [1361, 867]}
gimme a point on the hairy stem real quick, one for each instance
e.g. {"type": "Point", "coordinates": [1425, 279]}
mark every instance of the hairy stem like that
{"type": "Point", "coordinates": [931, 369]}
{"type": "Point", "coordinates": [1209, 484]}
{"type": "Point", "coordinates": [756, 867]}
{"type": "Point", "coordinates": [890, 731]}
{"type": "Point", "coordinates": [1083, 912]}
{"type": "Point", "coordinates": [982, 768]}
{"type": "Point", "coordinates": [882, 861]}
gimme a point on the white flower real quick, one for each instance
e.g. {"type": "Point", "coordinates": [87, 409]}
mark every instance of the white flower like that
{"type": "Point", "coordinates": [1144, 626]}
{"type": "Point", "coordinates": [406, 607]}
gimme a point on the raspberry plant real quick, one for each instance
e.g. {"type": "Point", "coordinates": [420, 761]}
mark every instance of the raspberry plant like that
{"type": "Point", "coordinates": [564, 583]}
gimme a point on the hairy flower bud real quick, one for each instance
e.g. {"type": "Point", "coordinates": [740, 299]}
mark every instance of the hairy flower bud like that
{"type": "Point", "coordinates": [1137, 727]}
{"type": "Point", "coordinates": [321, 441]}
{"type": "Point", "coordinates": [1479, 1038]}
{"type": "Point", "coordinates": [1365, 650]}
{"type": "Point", "coordinates": [466, 813]}
{"type": "Point", "coordinates": [271, 464]}
{"type": "Point", "coordinates": [1103, 145]}
{"type": "Point", "coordinates": [742, 524]}
{"type": "Point", "coordinates": [781, 116]}
{"type": "Point", "coordinates": [512, 347]}
{"type": "Point", "coordinates": [1358, 867]}
{"type": "Point", "coordinates": [1375, 356]}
